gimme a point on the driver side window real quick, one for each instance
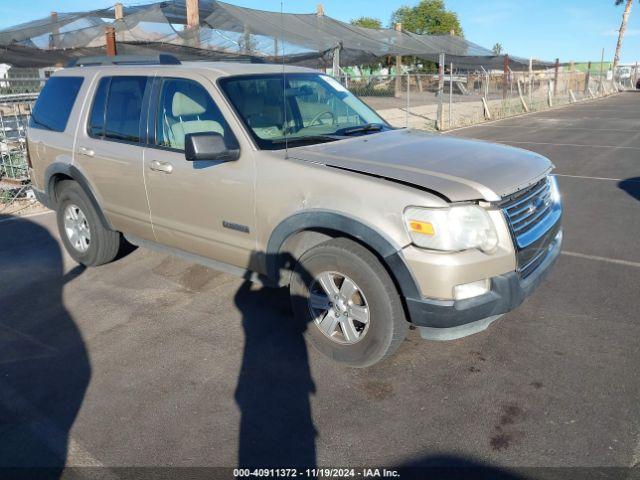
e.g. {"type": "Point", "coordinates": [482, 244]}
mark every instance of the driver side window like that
{"type": "Point", "coordinates": [186, 107]}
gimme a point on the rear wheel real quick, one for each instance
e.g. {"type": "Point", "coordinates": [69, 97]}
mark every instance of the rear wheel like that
{"type": "Point", "coordinates": [351, 308]}
{"type": "Point", "coordinates": [83, 234]}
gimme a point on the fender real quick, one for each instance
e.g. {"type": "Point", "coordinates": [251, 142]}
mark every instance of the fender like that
{"type": "Point", "coordinates": [73, 172]}
{"type": "Point", "coordinates": [390, 253]}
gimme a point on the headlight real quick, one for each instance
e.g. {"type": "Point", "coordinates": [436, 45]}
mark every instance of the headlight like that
{"type": "Point", "coordinates": [555, 191]}
{"type": "Point", "coordinates": [451, 229]}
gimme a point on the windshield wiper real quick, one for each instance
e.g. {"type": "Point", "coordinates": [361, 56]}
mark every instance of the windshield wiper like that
{"type": "Point", "coordinates": [367, 127]}
{"type": "Point", "coordinates": [309, 138]}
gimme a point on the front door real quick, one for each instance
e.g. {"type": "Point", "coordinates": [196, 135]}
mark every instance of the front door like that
{"type": "Point", "coordinates": [202, 207]}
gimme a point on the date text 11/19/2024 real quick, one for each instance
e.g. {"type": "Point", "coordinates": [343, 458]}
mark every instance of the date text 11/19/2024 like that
{"type": "Point", "coordinates": [316, 472]}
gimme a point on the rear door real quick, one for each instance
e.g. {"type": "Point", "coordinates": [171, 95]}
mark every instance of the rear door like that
{"type": "Point", "coordinates": [202, 207]}
{"type": "Point", "coordinates": [108, 150]}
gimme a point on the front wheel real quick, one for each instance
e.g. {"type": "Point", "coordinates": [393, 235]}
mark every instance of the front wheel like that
{"type": "Point", "coordinates": [351, 308]}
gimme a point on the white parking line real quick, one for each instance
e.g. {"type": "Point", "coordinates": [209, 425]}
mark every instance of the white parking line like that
{"type": "Point", "coordinates": [554, 126]}
{"type": "Point", "coordinates": [567, 145]}
{"type": "Point", "coordinates": [597, 178]}
{"type": "Point", "coordinates": [616, 261]}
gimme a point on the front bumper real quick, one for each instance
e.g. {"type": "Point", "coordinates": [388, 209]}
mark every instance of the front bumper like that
{"type": "Point", "coordinates": [448, 319]}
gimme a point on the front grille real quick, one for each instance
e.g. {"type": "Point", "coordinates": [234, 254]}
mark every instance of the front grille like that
{"type": "Point", "coordinates": [526, 208]}
{"type": "Point", "coordinates": [533, 217]}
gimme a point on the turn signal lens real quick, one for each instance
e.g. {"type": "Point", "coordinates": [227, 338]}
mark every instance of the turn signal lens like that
{"type": "Point", "coordinates": [424, 228]}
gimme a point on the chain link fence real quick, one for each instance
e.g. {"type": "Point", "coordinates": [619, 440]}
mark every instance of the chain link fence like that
{"type": "Point", "coordinates": [458, 98]}
{"type": "Point", "coordinates": [16, 101]}
{"type": "Point", "coordinates": [425, 101]}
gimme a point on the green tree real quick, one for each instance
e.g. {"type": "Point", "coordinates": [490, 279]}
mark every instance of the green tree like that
{"type": "Point", "coordinates": [429, 17]}
{"type": "Point", "coordinates": [623, 27]}
{"type": "Point", "coordinates": [497, 49]}
{"type": "Point", "coordinates": [367, 22]}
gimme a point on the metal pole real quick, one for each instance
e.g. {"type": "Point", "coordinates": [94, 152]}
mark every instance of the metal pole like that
{"type": "Point", "coordinates": [55, 32]}
{"type": "Point", "coordinates": [439, 119]}
{"type": "Point", "coordinates": [450, 91]}
{"type": "Point", "coordinates": [505, 72]}
{"type": "Point", "coordinates": [406, 113]}
{"type": "Point", "coordinates": [601, 72]}
{"type": "Point", "coordinates": [555, 78]}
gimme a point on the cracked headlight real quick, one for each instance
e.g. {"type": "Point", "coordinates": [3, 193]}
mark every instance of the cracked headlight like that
{"type": "Point", "coordinates": [451, 229]}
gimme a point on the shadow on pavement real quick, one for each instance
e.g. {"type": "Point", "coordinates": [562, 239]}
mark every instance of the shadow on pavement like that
{"type": "Point", "coordinates": [274, 385]}
{"type": "Point", "coordinates": [631, 186]}
{"type": "Point", "coordinates": [44, 367]}
{"type": "Point", "coordinates": [452, 467]}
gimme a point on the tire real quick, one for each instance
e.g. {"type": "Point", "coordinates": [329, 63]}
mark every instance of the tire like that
{"type": "Point", "coordinates": [343, 260]}
{"type": "Point", "coordinates": [102, 245]}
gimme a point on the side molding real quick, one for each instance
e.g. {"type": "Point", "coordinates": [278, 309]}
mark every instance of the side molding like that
{"type": "Point", "coordinates": [76, 175]}
{"type": "Point", "coordinates": [337, 222]}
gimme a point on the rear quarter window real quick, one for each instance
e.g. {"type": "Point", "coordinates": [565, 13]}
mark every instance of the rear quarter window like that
{"type": "Point", "coordinates": [54, 104]}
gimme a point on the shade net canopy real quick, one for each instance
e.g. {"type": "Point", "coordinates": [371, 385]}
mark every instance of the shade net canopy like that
{"type": "Point", "coordinates": [228, 32]}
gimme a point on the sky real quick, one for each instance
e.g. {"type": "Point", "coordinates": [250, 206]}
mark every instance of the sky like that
{"type": "Point", "coordinates": [572, 30]}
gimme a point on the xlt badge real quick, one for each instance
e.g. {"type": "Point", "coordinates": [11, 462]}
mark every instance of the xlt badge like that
{"type": "Point", "coordinates": [235, 226]}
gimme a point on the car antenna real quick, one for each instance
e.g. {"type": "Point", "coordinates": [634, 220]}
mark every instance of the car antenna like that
{"type": "Point", "coordinates": [284, 81]}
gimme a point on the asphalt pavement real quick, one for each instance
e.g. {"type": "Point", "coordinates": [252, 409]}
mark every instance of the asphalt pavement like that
{"type": "Point", "coordinates": [154, 361]}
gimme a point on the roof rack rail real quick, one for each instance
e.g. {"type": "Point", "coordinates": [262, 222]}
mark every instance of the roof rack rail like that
{"type": "Point", "coordinates": [159, 59]}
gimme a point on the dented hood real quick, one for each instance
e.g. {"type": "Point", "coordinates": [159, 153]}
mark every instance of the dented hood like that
{"type": "Point", "coordinates": [457, 168]}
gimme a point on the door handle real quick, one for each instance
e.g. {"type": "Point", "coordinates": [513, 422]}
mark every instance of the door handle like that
{"type": "Point", "coordinates": [158, 166]}
{"type": "Point", "coordinates": [86, 151]}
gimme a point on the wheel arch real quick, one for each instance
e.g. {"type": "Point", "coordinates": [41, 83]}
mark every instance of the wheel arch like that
{"type": "Point", "coordinates": [304, 230]}
{"type": "Point", "coordinates": [57, 172]}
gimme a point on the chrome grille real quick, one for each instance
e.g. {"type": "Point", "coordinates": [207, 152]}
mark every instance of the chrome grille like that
{"type": "Point", "coordinates": [525, 208]}
{"type": "Point", "coordinates": [533, 217]}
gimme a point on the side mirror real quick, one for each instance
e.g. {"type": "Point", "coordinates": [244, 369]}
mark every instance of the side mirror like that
{"type": "Point", "coordinates": [208, 146]}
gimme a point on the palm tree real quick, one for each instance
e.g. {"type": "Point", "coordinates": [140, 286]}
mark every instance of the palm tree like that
{"type": "Point", "coordinates": [497, 49]}
{"type": "Point", "coordinates": [623, 27]}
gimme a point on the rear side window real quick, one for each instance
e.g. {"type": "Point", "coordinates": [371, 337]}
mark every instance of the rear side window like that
{"type": "Point", "coordinates": [116, 109]}
{"type": "Point", "coordinates": [55, 102]}
{"type": "Point", "coordinates": [98, 110]}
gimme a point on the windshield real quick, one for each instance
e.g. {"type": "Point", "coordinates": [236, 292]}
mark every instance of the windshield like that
{"type": "Point", "coordinates": [317, 109]}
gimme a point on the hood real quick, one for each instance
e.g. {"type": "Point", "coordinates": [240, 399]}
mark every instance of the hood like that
{"type": "Point", "coordinates": [457, 168]}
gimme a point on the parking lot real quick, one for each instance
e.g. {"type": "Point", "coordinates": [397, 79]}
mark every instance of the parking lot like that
{"type": "Point", "coordinates": [154, 361]}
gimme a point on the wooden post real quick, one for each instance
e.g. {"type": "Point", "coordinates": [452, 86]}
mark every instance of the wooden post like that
{"type": "Point", "coordinates": [55, 32]}
{"type": "Point", "coordinates": [246, 40]}
{"type": "Point", "coordinates": [193, 20]}
{"type": "Point", "coordinates": [118, 11]}
{"type": "Point", "coordinates": [524, 104]}
{"type": "Point", "coordinates": [555, 78]}
{"type": "Point", "coordinates": [571, 76]}
{"type": "Point", "coordinates": [398, 87]}
{"type": "Point", "coordinates": [587, 78]}
{"type": "Point", "coordinates": [110, 34]}
{"type": "Point", "coordinates": [505, 77]}
{"type": "Point", "coordinates": [193, 14]}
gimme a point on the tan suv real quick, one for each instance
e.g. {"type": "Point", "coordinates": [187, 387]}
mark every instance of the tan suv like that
{"type": "Point", "coordinates": [281, 175]}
